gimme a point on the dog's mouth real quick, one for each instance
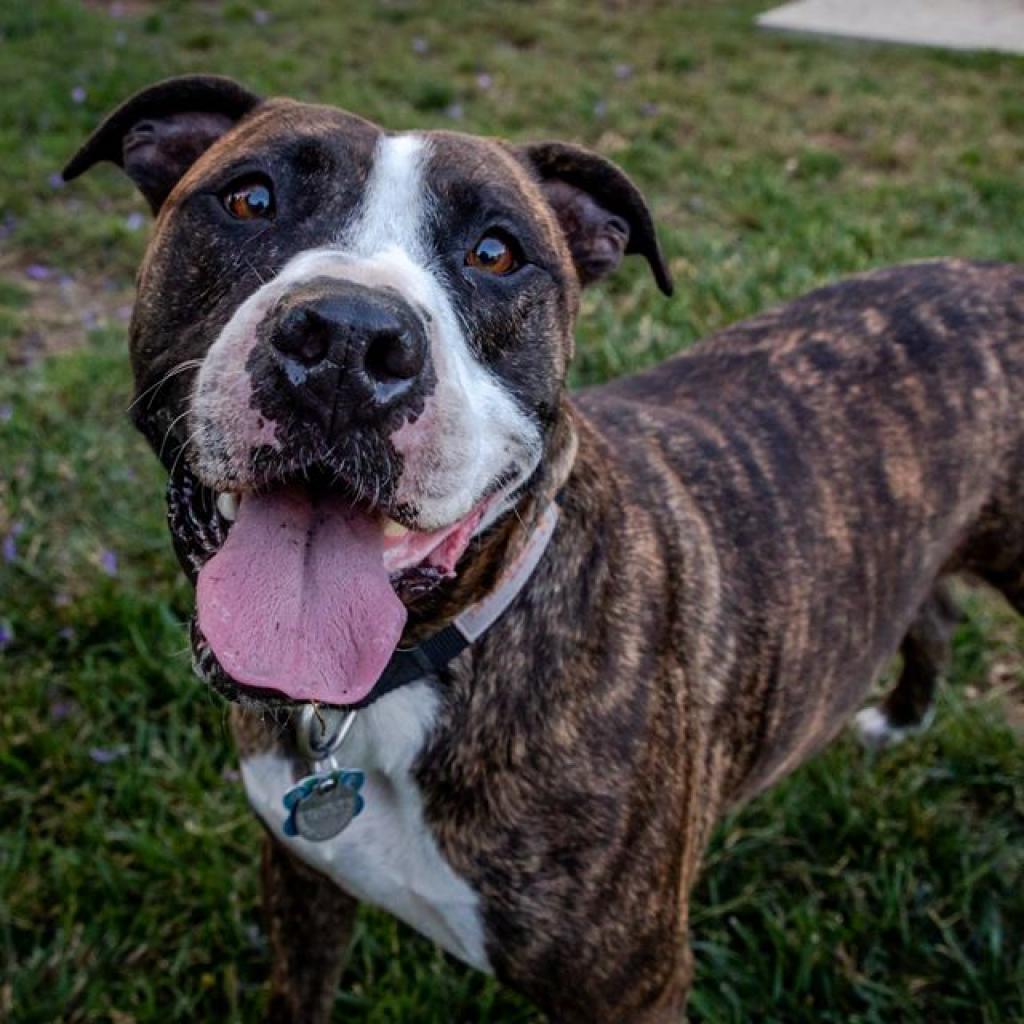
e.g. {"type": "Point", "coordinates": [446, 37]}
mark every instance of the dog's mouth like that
{"type": "Point", "coordinates": [301, 592]}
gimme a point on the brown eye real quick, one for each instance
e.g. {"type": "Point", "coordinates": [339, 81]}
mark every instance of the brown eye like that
{"type": "Point", "coordinates": [250, 200]}
{"type": "Point", "coordinates": [494, 255]}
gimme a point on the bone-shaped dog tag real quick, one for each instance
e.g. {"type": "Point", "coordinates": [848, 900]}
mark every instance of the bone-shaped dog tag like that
{"type": "Point", "coordinates": [323, 805]}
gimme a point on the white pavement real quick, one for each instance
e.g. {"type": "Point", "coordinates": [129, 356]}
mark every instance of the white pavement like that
{"type": "Point", "coordinates": [954, 24]}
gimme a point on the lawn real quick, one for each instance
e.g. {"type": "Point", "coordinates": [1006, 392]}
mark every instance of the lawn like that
{"type": "Point", "coordinates": [861, 890]}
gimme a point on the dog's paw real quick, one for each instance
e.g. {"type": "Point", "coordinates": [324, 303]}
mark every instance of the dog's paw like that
{"type": "Point", "coordinates": [876, 732]}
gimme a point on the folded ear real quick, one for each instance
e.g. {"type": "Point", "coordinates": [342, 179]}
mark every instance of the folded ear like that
{"type": "Point", "coordinates": [601, 211]}
{"type": "Point", "coordinates": [157, 134]}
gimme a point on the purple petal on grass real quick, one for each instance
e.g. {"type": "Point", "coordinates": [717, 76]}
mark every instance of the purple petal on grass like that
{"type": "Point", "coordinates": [134, 221]}
{"type": "Point", "coordinates": [261, 17]}
{"type": "Point", "coordinates": [66, 633]}
{"type": "Point", "coordinates": [38, 272]}
{"type": "Point", "coordinates": [484, 80]}
{"type": "Point", "coordinates": [420, 45]}
{"type": "Point", "coordinates": [455, 111]}
{"type": "Point", "coordinates": [6, 412]}
{"type": "Point", "coordinates": [61, 599]}
{"type": "Point", "coordinates": [124, 313]}
{"type": "Point", "coordinates": [106, 755]}
{"type": "Point", "coordinates": [6, 635]}
{"type": "Point", "coordinates": [60, 710]}
{"type": "Point", "coordinates": [623, 71]}
{"type": "Point", "coordinates": [600, 108]}
{"type": "Point", "coordinates": [10, 542]}
{"type": "Point", "coordinates": [55, 180]}
{"type": "Point", "coordinates": [108, 562]}
{"type": "Point", "coordinates": [231, 775]}
{"type": "Point", "coordinates": [648, 109]}
{"type": "Point", "coordinates": [78, 94]}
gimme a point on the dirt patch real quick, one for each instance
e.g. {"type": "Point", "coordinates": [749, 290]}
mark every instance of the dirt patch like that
{"type": "Point", "coordinates": [56, 311]}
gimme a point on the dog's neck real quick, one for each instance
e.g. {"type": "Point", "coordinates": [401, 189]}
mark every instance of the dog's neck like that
{"type": "Point", "coordinates": [506, 539]}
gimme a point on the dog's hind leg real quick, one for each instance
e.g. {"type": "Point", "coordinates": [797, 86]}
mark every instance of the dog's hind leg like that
{"type": "Point", "coordinates": [926, 652]}
{"type": "Point", "coordinates": [309, 924]}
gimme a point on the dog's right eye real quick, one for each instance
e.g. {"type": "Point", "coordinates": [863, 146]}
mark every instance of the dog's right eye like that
{"type": "Point", "coordinates": [251, 199]}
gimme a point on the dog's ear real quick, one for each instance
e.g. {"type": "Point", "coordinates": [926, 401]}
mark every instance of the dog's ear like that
{"type": "Point", "coordinates": [601, 211]}
{"type": "Point", "coordinates": [157, 134]}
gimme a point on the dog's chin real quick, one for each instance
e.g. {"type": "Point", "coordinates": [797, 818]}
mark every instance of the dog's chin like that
{"type": "Point", "coordinates": [278, 570]}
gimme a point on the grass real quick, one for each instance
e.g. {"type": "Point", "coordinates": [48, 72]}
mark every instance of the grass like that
{"type": "Point", "coordinates": [862, 891]}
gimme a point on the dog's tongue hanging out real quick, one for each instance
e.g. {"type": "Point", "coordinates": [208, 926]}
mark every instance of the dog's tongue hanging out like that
{"type": "Point", "coordinates": [298, 599]}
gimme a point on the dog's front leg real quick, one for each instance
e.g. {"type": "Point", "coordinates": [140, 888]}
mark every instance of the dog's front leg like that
{"type": "Point", "coordinates": [309, 924]}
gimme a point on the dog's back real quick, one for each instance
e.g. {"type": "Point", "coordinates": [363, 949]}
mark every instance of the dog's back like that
{"type": "Point", "coordinates": [841, 455]}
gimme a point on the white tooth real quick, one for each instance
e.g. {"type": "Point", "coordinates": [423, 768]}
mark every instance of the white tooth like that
{"type": "Point", "coordinates": [227, 506]}
{"type": "Point", "coordinates": [394, 530]}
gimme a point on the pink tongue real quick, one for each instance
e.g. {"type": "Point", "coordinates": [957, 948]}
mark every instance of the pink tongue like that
{"type": "Point", "coordinates": [298, 599]}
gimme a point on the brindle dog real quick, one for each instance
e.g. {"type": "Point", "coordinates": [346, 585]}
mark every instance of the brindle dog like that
{"type": "Point", "coordinates": [363, 338]}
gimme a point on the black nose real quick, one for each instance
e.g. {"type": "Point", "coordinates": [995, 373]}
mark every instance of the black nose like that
{"type": "Point", "coordinates": [348, 351]}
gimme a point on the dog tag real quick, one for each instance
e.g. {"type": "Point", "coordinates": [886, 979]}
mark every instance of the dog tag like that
{"type": "Point", "coordinates": [322, 806]}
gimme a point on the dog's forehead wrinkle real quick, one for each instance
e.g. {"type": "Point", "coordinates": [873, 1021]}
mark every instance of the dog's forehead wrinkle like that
{"type": "Point", "coordinates": [491, 168]}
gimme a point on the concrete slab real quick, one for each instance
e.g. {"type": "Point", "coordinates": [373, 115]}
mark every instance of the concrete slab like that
{"type": "Point", "coordinates": [952, 24]}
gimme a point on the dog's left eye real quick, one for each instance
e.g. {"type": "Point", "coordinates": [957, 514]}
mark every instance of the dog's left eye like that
{"type": "Point", "coordinates": [495, 253]}
{"type": "Point", "coordinates": [249, 200]}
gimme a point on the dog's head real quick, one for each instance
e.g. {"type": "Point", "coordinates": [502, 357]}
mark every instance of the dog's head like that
{"type": "Point", "coordinates": [350, 349]}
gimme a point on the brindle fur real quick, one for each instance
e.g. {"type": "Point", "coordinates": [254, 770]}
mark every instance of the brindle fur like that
{"type": "Point", "coordinates": [749, 533]}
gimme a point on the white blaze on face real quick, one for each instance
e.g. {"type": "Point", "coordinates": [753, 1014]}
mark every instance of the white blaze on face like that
{"type": "Point", "coordinates": [395, 206]}
{"type": "Point", "coordinates": [472, 429]}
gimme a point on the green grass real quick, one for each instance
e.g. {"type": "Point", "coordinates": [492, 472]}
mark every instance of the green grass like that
{"type": "Point", "coordinates": [871, 891]}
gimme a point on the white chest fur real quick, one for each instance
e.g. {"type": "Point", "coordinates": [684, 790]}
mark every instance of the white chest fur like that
{"type": "Point", "coordinates": [386, 856]}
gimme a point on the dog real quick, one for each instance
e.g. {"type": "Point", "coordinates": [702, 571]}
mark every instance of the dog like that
{"type": "Point", "coordinates": [617, 614]}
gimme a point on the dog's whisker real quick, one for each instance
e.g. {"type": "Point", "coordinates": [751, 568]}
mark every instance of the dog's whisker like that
{"type": "Point", "coordinates": [184, 448]}
{"type": "Point", "coordinates": [167, 433]}
{"type": "Point", "coordinates": [188, 364]}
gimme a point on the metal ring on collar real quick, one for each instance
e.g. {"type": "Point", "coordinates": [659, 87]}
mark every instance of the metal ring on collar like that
{"type": "Point", "coordinates": [320, 731]}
